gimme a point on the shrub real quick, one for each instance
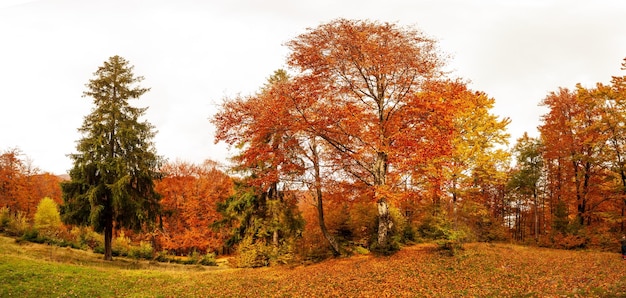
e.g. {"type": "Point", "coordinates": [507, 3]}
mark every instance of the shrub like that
{"type": "Point", "coordinates": [435, 226]}
{"type": "Point", "coordinates": [385, 249]}
{"type": "Point", "coordinates": [17, 224]}
{"type": "Point", "coordinates": [5, 218]}
{"type": "Point", "coordinates": [284, 254]}
{"type": "Point", "coordinates": [162, 256]}
{"type": "Point", "coordinates": [32, 235]}
{"type": "Point", "coordinates": [447, 235]}
{"type": "Point", "coordinates": [121, 245]}
{"type": "Point", "coordinates": [253, 255]}
{"type": "Point", "coordinates": [452, 243]}
{"type": "Point", "coordinates": [361, 250]}
{"type": "Point", "coordinates": [208, 260]}
{"type": "Point", "coordinates": [482, 225]}
{"type": "Point", "coordinates": [568, 241]}
{"type": "Point", "coordinates": [192, 258]}
{"type": "Point", "coordinates": [86, 237]}
{"type": "Point", "coordinates": [143, 251]}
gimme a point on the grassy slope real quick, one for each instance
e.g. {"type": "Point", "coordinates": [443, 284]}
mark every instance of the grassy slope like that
{"type": "Point", "coordinates": [31, 270]}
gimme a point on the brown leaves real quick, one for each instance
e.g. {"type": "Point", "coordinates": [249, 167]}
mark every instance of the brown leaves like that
{"type": "Point", "coordinates": [481, 270]}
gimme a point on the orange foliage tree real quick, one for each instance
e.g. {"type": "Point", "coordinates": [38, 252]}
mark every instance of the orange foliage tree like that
{"type": "Point", "coordinates": [574, 142]}
{"type": "Point", "coordinates": [370, 92]}
{"type": "Point", "coordinates": [22, 186]}
{"type": "Point", "coordinates": [471, 177]}
{"type": "Point", "coordinates": [584, 137]}
{"type": "Point", "coordinates": [262, 126]}
{"type": "Point", "coordinates": [11, 181]}
{"type": "Point", "coordinates": [368, 105]}
{"type": "Point", "coordinates": [190, 194]}
{"type": "Point", "coordinates": [613, 104]}
{"type": "Point", "coordinates": [46, 185]}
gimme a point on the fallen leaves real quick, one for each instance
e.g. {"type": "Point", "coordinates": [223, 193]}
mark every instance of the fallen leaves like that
{"type": "Point", "coordinates": [480, 270]}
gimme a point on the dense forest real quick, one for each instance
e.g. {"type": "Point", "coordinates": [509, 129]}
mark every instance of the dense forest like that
{"type": "Point", "coordinates": [363, 143]}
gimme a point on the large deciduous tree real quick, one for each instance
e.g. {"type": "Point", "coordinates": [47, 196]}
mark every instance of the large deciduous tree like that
{"type": "Point", "coordinates": [112, 177]}
{"type": "Point", "coordinates": [370, 91]}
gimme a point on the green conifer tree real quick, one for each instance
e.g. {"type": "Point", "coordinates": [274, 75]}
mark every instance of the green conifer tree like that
{"type": "Point", "coordinates": [112, 177]}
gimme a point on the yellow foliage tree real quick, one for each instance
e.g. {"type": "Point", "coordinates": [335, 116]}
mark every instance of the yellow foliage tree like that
{"type": "Point", "coordinates": [47, 217]}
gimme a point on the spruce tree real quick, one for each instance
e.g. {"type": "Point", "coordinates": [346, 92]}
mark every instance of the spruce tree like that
{"type": "Point", "coordinates": [112, 177]}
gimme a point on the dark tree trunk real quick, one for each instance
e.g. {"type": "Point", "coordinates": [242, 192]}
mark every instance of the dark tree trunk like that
{"type": "Point", "coordinates": [108, 236]}
{"type": "Point", "coordinates": [331, 240]}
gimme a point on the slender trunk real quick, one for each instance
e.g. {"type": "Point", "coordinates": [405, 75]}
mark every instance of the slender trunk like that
{"type": "Point", "coordinates": [621, 229]}
{"type": "Point", "coordinates": [536, 215]}
{"type": "Point", "coordinates": [582, 206]}
{"type": "Point", "coordinates": [579, 198]}
{"type": "Point", "coordinates": [544, 220]}
{"type": "Point", "coordinates": [273, 197]}
{"type": "Point", "coordinates": [331, 240]}
{"type": "Point", "coordinates": [623, 177]}
{"type": "Point", "coordinates": [454, 202]}
{"type": "Point", "coordinates": [319, 200]}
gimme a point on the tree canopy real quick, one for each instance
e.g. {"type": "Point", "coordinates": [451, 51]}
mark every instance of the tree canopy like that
{"type": "Point", "coordinates": [371, 95]}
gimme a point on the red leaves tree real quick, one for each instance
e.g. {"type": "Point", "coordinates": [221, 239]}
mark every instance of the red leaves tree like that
{"type": "Point", "coordinates": [265, 130]}
{"type": "Point", "coordinates": [190, 196]}
{"type": "Point", "coordinates": [12, 181]}
{"type": "Point", "coordinates": [367, 106]}
{"type": "Point", "coordinates": [22, 186]}
{"type": "Point", "coordinates": [46, 185]}
{"type": "Point", "coordinates": [369, 91]}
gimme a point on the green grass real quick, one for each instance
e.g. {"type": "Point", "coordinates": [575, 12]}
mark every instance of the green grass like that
{"type": "Point", "coordinates": [483, 270]}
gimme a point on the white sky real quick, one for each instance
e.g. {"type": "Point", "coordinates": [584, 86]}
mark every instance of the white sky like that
{"type": "Point", "coordinates": [195, 53]}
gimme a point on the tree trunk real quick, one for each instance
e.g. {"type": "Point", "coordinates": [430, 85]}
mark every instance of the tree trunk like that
{"type": "Point", "coordinates": [331, 240]}
{"type": "Point", "coordinates": [384, 218]}
{"type": "Point", "coordinates": [320, 214]}
{"type": "Point", "coordinates": [623, 176]}
{"type": "Point", "coordinates": [275, 238]}
{"type": "Point", "coordinates": [384, 222]}
{"type": "Point", "coordinates": [108, 209]}
{"type": "Point", "coordinates": [108, 236]}
{"type": "Point", "coordinates": [319, 200]}
{"type": "Point", "coordinates": [454, 202]}
{"type": "Point", "coordinates": [536, 213]}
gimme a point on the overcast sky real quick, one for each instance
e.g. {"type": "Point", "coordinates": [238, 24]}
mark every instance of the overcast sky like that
{"type": "Point", "coordinates": [195, 53]}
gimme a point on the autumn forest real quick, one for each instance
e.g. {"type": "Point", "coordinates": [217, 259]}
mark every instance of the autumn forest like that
{"type": "Point", "coordinates": [362, 143]}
